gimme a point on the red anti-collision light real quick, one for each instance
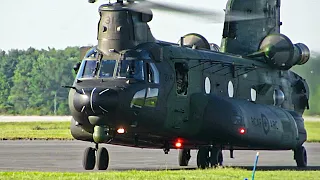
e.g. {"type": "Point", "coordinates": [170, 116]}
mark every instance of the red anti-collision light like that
{"type": "Point", "coordinates": [242, 130]}
{"type": "Point", "coordinates": [178, 143]}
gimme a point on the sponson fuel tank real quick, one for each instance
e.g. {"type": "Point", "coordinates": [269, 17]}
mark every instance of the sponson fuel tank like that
{"type": "Point", "coordinates": [228, 118]}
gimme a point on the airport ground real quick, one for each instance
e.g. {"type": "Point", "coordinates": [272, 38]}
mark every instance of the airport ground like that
{"type": "Point", "coordinates": [66, 156]}
{"type": "Point", "coordinates": [67, 118]}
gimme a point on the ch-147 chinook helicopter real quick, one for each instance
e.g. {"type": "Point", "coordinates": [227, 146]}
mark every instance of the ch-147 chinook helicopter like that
{"type": "Point", "coordinates": [133, 90]}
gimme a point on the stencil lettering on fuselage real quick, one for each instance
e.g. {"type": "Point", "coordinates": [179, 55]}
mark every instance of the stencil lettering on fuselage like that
{"type": "Point", "coordinates": [265, 124]}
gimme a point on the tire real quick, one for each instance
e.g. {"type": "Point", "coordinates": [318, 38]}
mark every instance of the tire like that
{"type": "Point", "coordinates": [89, 159]}
{"type": "Point", "coordinates": [216, 157]}
{"type": "Point", "coordinates": [102, 159]}
{"type": "Point", "coordinates": [184, 157]}
{"type": "Point", "coordinates": [203, 158]}
{"type": "Point", "coordinates": [300, 155]}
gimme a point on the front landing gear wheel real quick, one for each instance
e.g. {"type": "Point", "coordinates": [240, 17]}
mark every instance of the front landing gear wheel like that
{"type": "Point", "coordinates": [89, 158]}
{"type": "Point", "coordinates": [184, 157]}
{"type": "Point", "coordinates": [300, 155]}
{"type": "Point", "coordinates": [203, 157]}
{"type": "Point", "coordinates": [102, 158]}
{"type": "Point", "coordinates": [216, 157]}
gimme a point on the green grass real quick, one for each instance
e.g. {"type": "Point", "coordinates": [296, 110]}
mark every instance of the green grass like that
{"type": "Point", "coordinates": [60, 130]}
{"type": "Point", "coordinates": [35, 130]}
{"type": "Point", "coordinates": [218, 174]}
{"type": "Point", "coordinates": [313, 131]}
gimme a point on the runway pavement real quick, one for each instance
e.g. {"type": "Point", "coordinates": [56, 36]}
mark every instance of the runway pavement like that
{"type": "Point", "coordinates": [67, 156]}
{"type": "Point", "coordinates": [67, 118]}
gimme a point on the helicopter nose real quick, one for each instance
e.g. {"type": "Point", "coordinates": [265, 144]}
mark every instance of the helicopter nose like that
{"type": "Point", "coordinates": [96, 101]}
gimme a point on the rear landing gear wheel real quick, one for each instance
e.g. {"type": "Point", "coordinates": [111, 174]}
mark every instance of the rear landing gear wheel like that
{"type": "Point", "coordinates": [102, 158]}
{"type": "Point", "coordinates": [89, 158]}
{"type": "Point", "coordinates": [184, 157]}
{"type": "Point", "coordinates": [300, 155]}
{"type": "Point", "coordinates": [203, 157]}
{"type": "Point", "coordinates": [216, 157]}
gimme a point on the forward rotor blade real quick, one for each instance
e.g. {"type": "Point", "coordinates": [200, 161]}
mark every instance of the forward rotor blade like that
{"type": "Point", "coordinates": [209, 15]}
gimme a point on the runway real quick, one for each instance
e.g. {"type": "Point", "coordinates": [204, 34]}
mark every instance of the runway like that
{"type": "Point", "coordinates": [67, 156]}
{"type": "Point", "coordinates": [67, 118]}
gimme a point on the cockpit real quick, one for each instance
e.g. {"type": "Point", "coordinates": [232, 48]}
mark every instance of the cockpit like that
{"type": "Point", "coordinates": [137, 65]}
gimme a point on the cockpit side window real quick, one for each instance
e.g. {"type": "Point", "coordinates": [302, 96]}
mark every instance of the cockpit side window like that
{"type": "Point", "coordinates": [152, 73]}
{"type": "Point", "coordinates": [89, 69]}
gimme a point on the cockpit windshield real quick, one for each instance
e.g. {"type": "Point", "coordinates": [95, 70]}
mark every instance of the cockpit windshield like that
{"type": "Point", "coordinates": [131, 69]}
{"type": "Point", "coordinates": [106, 68]}
{"type": "Point", "coordinates": [130, 65]}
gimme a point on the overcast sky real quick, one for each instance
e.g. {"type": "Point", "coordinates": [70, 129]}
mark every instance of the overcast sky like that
{"type": "Point", "coordinates": [62, 23]}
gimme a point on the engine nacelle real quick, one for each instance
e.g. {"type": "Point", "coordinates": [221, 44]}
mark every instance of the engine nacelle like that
{"type": "Point", "coordinates": [281, 53]}
{"type": "Point", "coordinates": [302, 52]}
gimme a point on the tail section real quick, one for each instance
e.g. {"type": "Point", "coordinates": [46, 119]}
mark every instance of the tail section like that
{"type": "Point", "coordinates": [244, 36]}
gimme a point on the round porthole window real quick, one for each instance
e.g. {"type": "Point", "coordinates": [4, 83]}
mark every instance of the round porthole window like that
{"type": "Point", "coordinates": [207, 85]}
{"type": "Point", "coordinates": [230, 89]}
{"type": "Point", "coordinates": [278, 97]}
{"type": "Point", "coordinates": [253, 95]}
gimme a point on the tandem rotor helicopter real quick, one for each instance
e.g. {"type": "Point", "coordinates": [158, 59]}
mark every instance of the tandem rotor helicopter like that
{"type": "Point", "coordinates": [133, 90]}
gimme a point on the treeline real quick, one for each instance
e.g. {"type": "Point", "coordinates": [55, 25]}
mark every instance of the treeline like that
{"type": "Point", "coordinates": [31, 80]}
{"type": "Point", "coordinates": [311, 72]}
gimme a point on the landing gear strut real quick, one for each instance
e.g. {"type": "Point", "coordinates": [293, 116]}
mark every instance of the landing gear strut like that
{"type": "Point", "coordinates": [300, 155]}
{"type": "Point", "coordinates": [209, 157]}
{"type": "Point", "coordinates": [216, 157]}
{"type": "Point", "coordinates": [95, 155]}
{"type": "Point", "coordinates": [203, 157]}
{"type": "Point", "coordinates": [184, 157]}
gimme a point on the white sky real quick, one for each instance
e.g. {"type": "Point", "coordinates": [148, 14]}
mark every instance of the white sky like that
{"type": "Point", "coordinates": [62, 23]}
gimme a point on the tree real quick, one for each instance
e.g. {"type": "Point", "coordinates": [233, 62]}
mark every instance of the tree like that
{"type": "Point", "coordinates": [38, 78]}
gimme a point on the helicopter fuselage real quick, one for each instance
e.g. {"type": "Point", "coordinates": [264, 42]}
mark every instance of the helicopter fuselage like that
{"type": "Point", "coordinates": [158, 94]}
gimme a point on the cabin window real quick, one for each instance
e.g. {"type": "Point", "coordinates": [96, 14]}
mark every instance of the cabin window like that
{"type": "Point", "coordinates": [152, 97]}
{"type": "Point", "coordinates": [181, 78]}
{"type": "Point", "coordinates": [146, 97]}
{"type": "Point", "coordinates": [253, 94]}
{"type": "Point", "coordinates": [207, 85]}
{"type": "Point", "coordinates": [138, 99]}
{"type": "Point", "coordinates": [152, 73]}
{"type": "Point", "coordinates": [230, 89]}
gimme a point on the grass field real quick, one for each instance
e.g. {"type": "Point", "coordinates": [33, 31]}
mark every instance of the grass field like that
{"type": "Point", "coordinates": [60, 130]}
{"type": "Point", "coordinates": [35, 130]}
{"type": "Point", "coordinates": [212, 174]}
{"type": "Point", "coordinates": [313, 131]}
